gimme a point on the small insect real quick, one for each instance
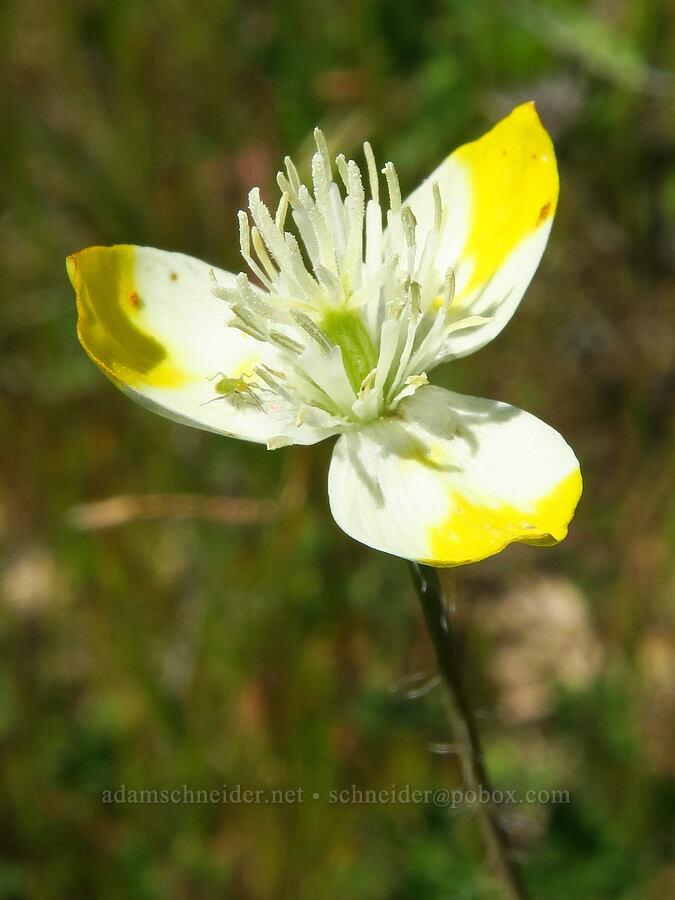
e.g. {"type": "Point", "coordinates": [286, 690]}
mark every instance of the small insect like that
{"type": "Point", "coordinates": [237, 390]}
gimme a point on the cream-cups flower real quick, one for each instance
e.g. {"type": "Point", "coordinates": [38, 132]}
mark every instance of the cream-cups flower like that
{"type": "Point", "coordinates": [344, 314]}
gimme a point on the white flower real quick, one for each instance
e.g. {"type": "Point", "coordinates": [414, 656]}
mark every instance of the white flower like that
{"type": "Point", "coordinates": [350, 307]}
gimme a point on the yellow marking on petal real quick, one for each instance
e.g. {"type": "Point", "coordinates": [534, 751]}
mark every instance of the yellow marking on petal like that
{"type": "Point", "coordinates": [164, 376]}
{"type": "Point", "coordinates": [437, 455]}
{"type": "Point", "coordinates": [107, 298]}
{"type": "Point", "coordinates": [433, 455]}
{"type": "Point", "coordinates": [513, 189]}
{"type": "Point", "coordinates": [247, 367]}
{"type": "Point", "coordinates": [473, 531]}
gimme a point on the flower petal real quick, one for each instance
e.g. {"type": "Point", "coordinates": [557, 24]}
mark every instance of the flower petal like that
{"type": "Point", "coordinates": [501, 193]}
{"type": "Point", "coordinates": [452, 479]}
{"type": "Point", "coordinates": [149, 320]}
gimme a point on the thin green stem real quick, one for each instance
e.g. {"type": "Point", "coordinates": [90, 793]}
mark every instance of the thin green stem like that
{"type": "Point", "coordinates": [428, 587]}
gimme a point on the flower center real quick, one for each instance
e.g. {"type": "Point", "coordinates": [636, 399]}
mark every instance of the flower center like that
{"type": "Point", "coordinates": [353, 312]}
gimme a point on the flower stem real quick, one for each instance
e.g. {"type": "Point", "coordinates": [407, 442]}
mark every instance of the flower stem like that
{"type": "Point", "coordinates": [428, 587]}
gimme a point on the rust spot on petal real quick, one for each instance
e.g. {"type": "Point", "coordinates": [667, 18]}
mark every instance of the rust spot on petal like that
{"type": "Point", "coordinates": [173, 276]}
{"type": "Point", "coordinates": [135, 300]}
{"type": "Point", "coordinates": [544, 213]}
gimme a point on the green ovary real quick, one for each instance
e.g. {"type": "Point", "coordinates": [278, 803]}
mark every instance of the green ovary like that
{"type": "Point", "coordinates": [347, 330]}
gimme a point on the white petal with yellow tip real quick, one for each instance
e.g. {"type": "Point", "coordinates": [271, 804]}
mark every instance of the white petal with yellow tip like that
{"type": "Point", "coordinates": [500, 194]}
{"type": "Point", "coordinates": [451, 479]}
{"type": "Point", "coordinates": [150, 320]}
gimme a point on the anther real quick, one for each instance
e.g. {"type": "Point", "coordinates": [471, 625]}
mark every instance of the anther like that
{"type": "Point", "coordinates": [449, 288]}
{"type": "Point", "coordinates": [342, 168]}
{"type": "Point", "coordinates": [292, 172]}
{"type": "Point", "coordinates": [263, 255]}
{"type": "Point", "coordinates": [393, 186]}
{"type": "Point", "coordinates": [246, 322]}
{"type": "Point", "coordinates": [244, 241]}
{"type": "Point", "coordinates": [322, 147]}
{"type": "Point", "coordinates": [285, 185]}
{"type": "Point", "coordinates": [312, 329]}
{"type": "Point", "coordinates": [409, 223]}
{"type": "Point", "coordinates": [415, 299]}
{"type": "Point", "coordinates": [367, 383]}
{"type": "Point", "coordinates": [372, 172]}
{"type": "Point", "coordinates": [287, 343]}
{"type": "Point", "coordinates": [438, 206]}
{"type": "Point", "coordinates": [245, 246]}
{"type": "Point", "coordinates": [282, 210]}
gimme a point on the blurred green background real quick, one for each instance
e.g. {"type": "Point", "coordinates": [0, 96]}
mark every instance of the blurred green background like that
{"type": "Point", "coordinates": [190, 639]}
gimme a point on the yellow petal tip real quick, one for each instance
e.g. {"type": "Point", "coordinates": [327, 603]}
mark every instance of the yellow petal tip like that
{"type": "Point", "coordinates": [513, 180]}
{"type": "Point", "coordinates": [108, 302]}
{"type": "Point", "coordinates": [472, 531]}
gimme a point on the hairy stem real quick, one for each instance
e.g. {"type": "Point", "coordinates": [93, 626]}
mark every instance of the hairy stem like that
{"type": "Point", "coordinates": [427, 585]}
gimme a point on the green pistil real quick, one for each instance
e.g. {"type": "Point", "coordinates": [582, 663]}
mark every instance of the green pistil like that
{"type": "Point", "coordinates": [348, 331]}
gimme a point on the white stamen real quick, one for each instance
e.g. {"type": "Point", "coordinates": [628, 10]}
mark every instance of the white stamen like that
{"type": "Point", "coordinates": [438, 206]}
{"type": "Point", "coordinates": [393, 187]}
{"type": "Point", "coordinates": [449, 289]}
{"type": "Point", "coordinates": [341, 163]}
{"type": "Point", "coordinates": [245, 247]}
{"type": "Point", "coordinates": [338, 261]}
{"type": "Point", "coordinates": [292, 172]}
{"type": "Point", "coordinates": [372, 172]}
{"type": "Point", "coordinates": [322, 147]}
{"type": "Point", "coordinates": [311, 329]}
{"type": "Point", "coordinates": [262, 254]}
{"type": "Point", "coordinates": [282, 210]}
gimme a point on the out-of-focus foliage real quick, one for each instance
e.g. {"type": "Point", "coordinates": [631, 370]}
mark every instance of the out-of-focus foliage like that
{"type": "Point", "coordinates": [165, 651]}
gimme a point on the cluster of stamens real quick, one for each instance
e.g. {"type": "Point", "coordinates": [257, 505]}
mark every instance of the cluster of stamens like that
{"type": "Point", "coordinates": [355, 312]}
